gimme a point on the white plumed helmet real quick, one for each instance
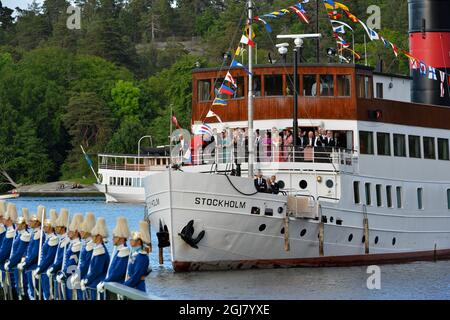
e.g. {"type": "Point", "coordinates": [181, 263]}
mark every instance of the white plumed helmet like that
{"type": "Point", "coordinates": [51, 222]}
{"type": "Point", "coordinates": [143, 233]}
{"type": "Point", "coordinates": [76, 222]}
{"type": "Point", "coordinates": [24, 218]}
{"type": "Point", "coordinates": [11, 212]}
{"type": "Point", "coordinates": [88, 223]}
{"type": "Point", "coordinates": [2, 208]}
{"type": "Point", "coordinates": [121, 230]}
{"type": "Point", "coordinates": [63, 218]}
{"type": "Point", "coordinates": [100, 228]}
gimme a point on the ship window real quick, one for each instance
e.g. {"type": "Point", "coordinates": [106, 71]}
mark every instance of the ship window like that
{"type": "Point", "coordinates": [240, 90]}
{"type": "Point", "coordinates": [368, 196]}
{"type": "Point", "coordinates": [389, 196]}
{"type": "Point", "coordinates": [399, 197]}
{"type": "Point", "coordinates": [420, 198]}
{"type": "Point", "coordinates": [290, 84]}
{"type": "Point", "coordinates": [217, 84]}
{"type": "Point", "coordinates": [343, 85]}
{"type": "Point", "coordinates": [257, 86]}
{"type": "Point", "coordinates": [429, 148]}
{"type": "Point", "coordinates": [399, 145]}
{"type": "Point", "coordinates": [443, 153]}
{"type": "Point", "coordinates": [309, 85]}
{"type": "Point", "coordinates": [273, 85]}
{"type": "Point", "coordinates": [356, 192]}
{"type": "Point", "coordinates": [379, 199]}
{"type": "Point", "coordinates": [379, 92]}
{"type": "Point", "coordinates": [204, 90]}
{"type": "Point", "coordinates": [383, 144]}
{"type": "Point", "coordinates": [366, 142]}
{"type": "Point", "coordinates": [414, 147]}
{"type": "Point", "coordinates": [110, 181]}
{"type": "Point", "coordinates": [448, 198]}
{"type": "Point", "coordinates": [326, 85]}
{"type": "Point", "coordinates": [364, 86]}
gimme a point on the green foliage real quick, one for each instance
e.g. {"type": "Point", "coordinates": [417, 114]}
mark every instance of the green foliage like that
{"type": "Point", "coordinates": [125, 98]}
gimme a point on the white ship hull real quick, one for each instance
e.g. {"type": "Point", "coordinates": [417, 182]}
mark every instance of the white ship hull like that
{"type": "Point", "coordinates": [121, 194]}
{"type": "Point", "coordinates": [235, 238]}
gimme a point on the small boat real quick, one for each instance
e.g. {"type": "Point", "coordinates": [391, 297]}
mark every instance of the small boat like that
{"type": "Point", "coordinates": [9, 196]}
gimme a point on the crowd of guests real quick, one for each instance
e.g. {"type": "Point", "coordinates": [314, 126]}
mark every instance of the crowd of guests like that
{"type": "Point", "coordinates": [273, 145]}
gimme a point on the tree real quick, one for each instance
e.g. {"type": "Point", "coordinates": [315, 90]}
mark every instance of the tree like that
{"type": "Point", "coordinates": [125, 99]}
{"type": "Point", "coordinates": [125, 139]}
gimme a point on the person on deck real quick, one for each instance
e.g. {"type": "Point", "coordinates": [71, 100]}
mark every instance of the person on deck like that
{"type": "Point", "coordinates": [260, 182]}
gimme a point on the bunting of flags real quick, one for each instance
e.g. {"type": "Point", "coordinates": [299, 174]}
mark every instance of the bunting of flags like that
{"type": "Point", "coordinates": [425, 70]}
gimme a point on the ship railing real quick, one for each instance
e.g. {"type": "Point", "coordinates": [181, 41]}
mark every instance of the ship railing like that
{"type": "Point", "coordinates": [335, 156]}
{"type": "Point", "coordinates": [132, 162]}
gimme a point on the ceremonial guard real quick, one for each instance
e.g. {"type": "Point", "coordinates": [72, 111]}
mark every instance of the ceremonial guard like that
{"type": "Point", "coordinates": [70, 260]}
{"type": "Point", "coordinates": [98, 266]}
{"type": "Point", "coordinates": [138, 266]}
{"type": "Point", "coordinates": [2, 236]}
{"type": "Point", "coordinates": [86, 251]}
{"type": "Point", "coordinates": [45, 284]}
{"type": "Point", "coordinates": [18, 251]}
{"type": "Point", "coordinates": [30, 261]}
{"type": "Point", "coordinates": [118, 268]}
{"type": "Point", "coordinates": [5, 251]}
{"type": "Point", "coordinates": [61, 231]}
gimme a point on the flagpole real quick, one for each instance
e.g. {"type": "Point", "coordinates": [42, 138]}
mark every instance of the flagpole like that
{"type": "Point", "coordinates": [250, 95]}
{"type": "Point", "coordinates": [365, 48]}
{"type": "Point", "coordinates": [170, 135]}
{"type": "Point", "coordinates": [353, 40]}
{"type": "Point", "coordinates": [90, 166]}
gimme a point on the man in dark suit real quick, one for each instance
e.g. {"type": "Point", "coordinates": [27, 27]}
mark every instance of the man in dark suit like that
{"type": "Point", "coordinates": [260, 182]}
{"type": "Point", "coordinates": [329, 140]}
{"type": "Point", "coordinates": [274, 187]}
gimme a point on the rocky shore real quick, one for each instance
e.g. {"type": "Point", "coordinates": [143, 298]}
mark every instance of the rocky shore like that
{"type": "Point", "coordinates": [59, 189]}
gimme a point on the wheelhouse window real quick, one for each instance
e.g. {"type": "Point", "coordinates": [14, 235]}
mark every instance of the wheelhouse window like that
{"type": "Point", "coordinates": [343, 85]}
{"type": "Point", "coordinates": [240, 91]}
{"type": "Point", "coordinates": [383, 144]}
{"type": "Point", "coordinates": [364, 86]}
{"type": "Point", "coordinates": [368, 196]}
{"type": "Point", "coordinates": [399, 145]}
{"type": "Point", "coordinates": [379, 90]}
{"type": "Point", "coordinates": [326, 85]}
{"type": "Point", "coordinates": [414, 147]}
{"type": "Point", "coordinates": [379, 198]}
{"type": "Point", "coordinates": [428, 148]}
{"type": "Point", "coordinates": [443, 153]}
{"type": "Point", "coordinates": [204, 90]}
{"type": "Point", "coordinates": [389, 196]}
{"type": "Point", "coordinates": [420, 198]}
{"type": "Point", "coordinates": [448, 199]}
{"type": "Point", "coordinates": [356, 196]}
{"type": "Point", "coordinates": [399, 197]}
{"type": "Point", "coordinates": [257, 86]}
{"type": "Point", "coordinates": [366, 142]}
{"type": "Point", "coordinates": [290, 85]}
{"type": "Point", "coordinates": [273, 85]}
{"type": "Point", "coordinates": [309, 85]}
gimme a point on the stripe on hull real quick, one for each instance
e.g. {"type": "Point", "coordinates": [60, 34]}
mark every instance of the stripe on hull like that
{"type": "Point", "coordinates": [336, 261]}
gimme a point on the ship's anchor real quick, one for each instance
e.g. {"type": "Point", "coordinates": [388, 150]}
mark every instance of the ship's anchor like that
{"type": "Point", "coordinates": [187, 235]}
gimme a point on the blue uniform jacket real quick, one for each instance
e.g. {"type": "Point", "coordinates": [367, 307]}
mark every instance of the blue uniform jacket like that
{"type": "Point", "coordinates": [32, 256]}
{"type": "Point", "coordinates": [19, 248]}
{"type": "Point", "coordinates": [72, 256]}
{"type": "Point", "coordinates": [5, 250]}
{"type": "Point", "coordinates": [2, 234]}
{"type": "Point", "coordinates": [137, 269]}
{"type": "Point", "coordinates": [118, 269]}
{"type": "Point", "coordinates": [48, 253]}
{"type": "Point", "coordinates": [98, 266]}
{"type": "Point", "coordinates": [85, 258]}
{"type": "Point", "coordinates": [57, 264]}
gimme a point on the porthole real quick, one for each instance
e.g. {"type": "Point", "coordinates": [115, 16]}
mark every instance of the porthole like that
{"type": "Point", "coordinates": [280, 210]}
{"type": "Point", "coordinates": [302, 233]}
{"type": "Point", "coordinates": [331, 219]}
{"type": "Point", "coordinates": [329, 183]}
{"type": "Point", "coordinates": [262, 227]}
{"type": "Point", "coordinates": [303, 184]}
{"type": "Point", "coordinates": [363, 239]}
{"type": "Point", "coordinates": [282, 230]}
{"type": "Point", "coordinates": [281, 184]}
{"type": "Point", "coordinates": [376, 240]}
{"type": "Point", "coordinates": [394, 241]}
{"type": "Point", "coordinates": [350, 237]}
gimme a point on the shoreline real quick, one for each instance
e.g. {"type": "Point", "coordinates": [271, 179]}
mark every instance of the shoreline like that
{"type": "Point", "coordinates": [59, 189]}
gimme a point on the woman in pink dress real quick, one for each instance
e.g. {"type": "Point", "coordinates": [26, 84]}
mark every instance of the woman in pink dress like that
{"type": "Point", "coordinates": [288, 141]}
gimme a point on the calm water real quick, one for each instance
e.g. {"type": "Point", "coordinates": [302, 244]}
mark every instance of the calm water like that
{"type": "Point", "coordinates": [420, 280]}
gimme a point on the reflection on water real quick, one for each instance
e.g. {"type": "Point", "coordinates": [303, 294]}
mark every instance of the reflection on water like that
{"type": "Point", "coordinates": [420, 280]}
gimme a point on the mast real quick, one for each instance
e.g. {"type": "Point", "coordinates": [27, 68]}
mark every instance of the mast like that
{"type": "Point", "coordinates": [251, 146]}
